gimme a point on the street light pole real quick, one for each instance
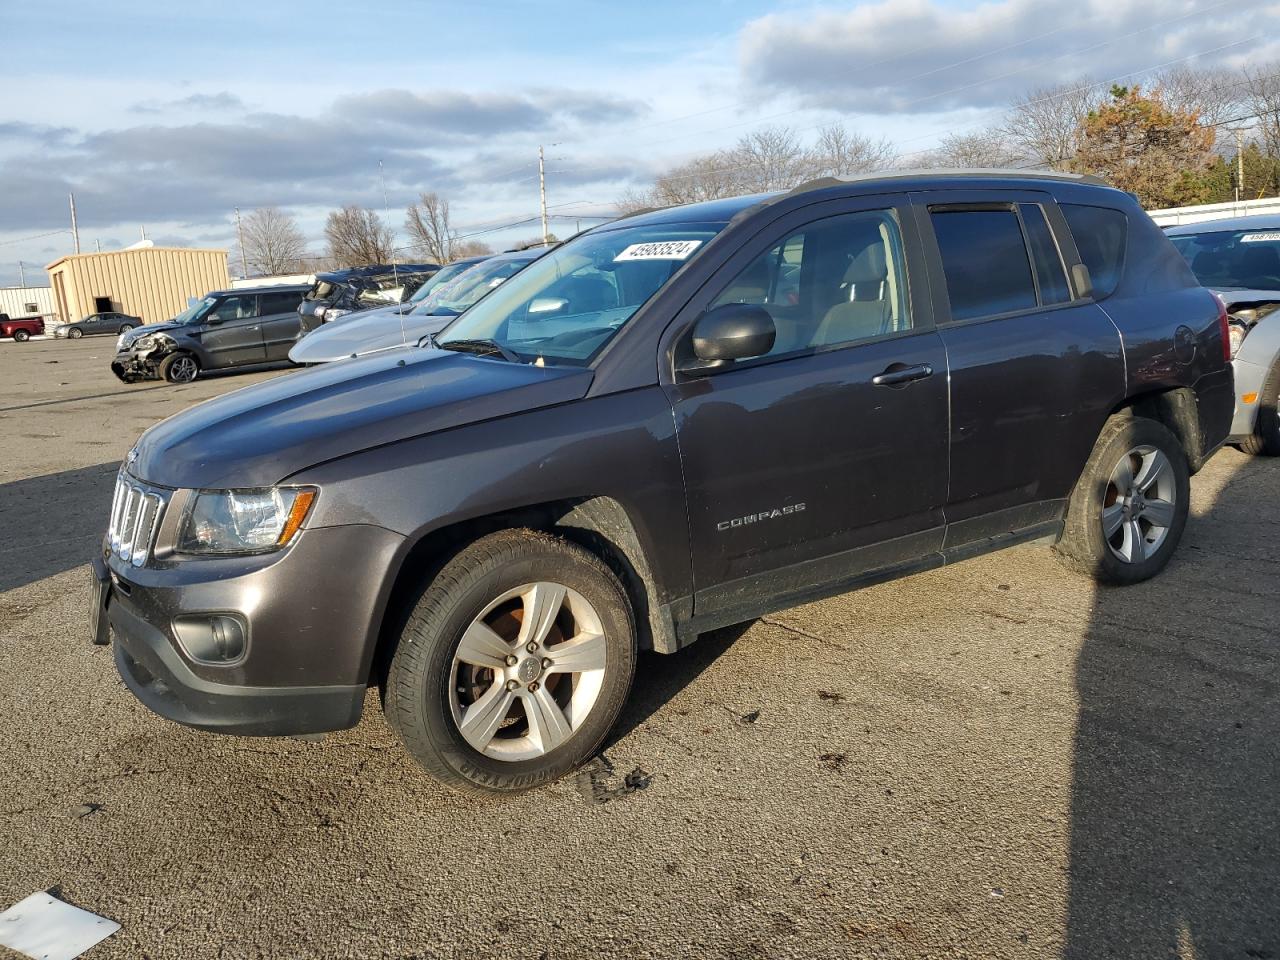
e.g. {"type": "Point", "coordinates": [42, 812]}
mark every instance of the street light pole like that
{"type": "Point", "coordinates": [75, 230]}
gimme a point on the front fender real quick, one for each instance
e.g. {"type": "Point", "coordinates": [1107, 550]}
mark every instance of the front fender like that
{"type": "Point", "coordinates": [621, 447]}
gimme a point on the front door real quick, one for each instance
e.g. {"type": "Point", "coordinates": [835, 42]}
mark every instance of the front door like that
{"type": "Point", "coordinates": [826, 458]}
{"type": "Point", "coordinates": [231, 332]}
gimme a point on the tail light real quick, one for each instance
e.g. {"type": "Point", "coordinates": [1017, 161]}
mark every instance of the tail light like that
{"type": "Point", "coordinates": [1224, 328]}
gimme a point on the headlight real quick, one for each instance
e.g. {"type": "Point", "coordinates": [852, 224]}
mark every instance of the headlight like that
{"type": "Point", "coordinates": [333, 313]}
{"type": "Point", "coordinates": [1236, 331]}
{"type": "Point", "coordinates": [243, 521]}
{"type": "Point", "coordinates": [143, 343]}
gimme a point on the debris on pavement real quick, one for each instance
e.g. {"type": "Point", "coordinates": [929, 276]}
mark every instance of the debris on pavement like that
{"type": "Point", "coordinates": [46, 928]}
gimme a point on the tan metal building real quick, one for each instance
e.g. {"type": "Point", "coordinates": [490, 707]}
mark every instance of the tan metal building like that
{"type": "Point", "coordinates": [153, 283]}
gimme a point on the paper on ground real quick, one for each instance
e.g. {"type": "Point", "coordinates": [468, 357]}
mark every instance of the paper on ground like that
{"type": "Point", "coordinates": [45, 928]}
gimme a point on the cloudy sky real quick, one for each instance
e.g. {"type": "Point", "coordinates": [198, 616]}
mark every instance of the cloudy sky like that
{"type": "Point", "coordinates": [166, 118]}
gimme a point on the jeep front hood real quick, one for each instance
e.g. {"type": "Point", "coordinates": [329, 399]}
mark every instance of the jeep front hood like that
{"type": "Point", "coordinates": [257, 436]}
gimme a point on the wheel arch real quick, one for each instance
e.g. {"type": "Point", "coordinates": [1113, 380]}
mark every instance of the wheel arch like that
{"type": "Point", "coordinates": [599, 524]}
{"type": "Point", "coordinates": [1177, 409]}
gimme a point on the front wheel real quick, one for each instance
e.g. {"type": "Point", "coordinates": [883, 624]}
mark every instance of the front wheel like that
{"type": "Point", "coordinates": [1128, 510]}
{"type": "Point", "coordinates": [21, 336]}
{"type": "Point", "coordinates": [179, 368]}
{"type": "Point", "coordinates": [513, 665]}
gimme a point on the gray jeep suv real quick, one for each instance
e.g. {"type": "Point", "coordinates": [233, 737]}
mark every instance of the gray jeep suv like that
{"type": "Point", "coordinates": [679, 420]}
{"type": "Point", "coordinates": [225, 328]}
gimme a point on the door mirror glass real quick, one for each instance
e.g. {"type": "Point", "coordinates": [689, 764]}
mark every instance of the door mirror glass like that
{"type": "Point", "coordinates": [735, 331]}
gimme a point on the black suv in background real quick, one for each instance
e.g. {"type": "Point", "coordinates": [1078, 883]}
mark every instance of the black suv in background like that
{"type": "Point", "coordinates": [340, 292]}
{"type": "Point", "coordinates": [679, 420]}
{"type": "Point", "coordinates": [225, 328]}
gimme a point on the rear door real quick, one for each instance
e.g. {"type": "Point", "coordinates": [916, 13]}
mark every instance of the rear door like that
{"type": "Point", "coordinates": [280, 321]}
{"type": "Point", "coordinates": [1034, 368]}
{"type": "Point", "coordinates": [814, 464]}
{"type": "Point", "coordinates": [231, 331]}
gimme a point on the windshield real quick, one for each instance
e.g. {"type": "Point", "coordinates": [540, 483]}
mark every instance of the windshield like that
{"type": "Point", "coordinates": [441, 276]}
{"type": "Point", "coordinates": [454, 296]}
{"type": "Point", "coordinates": [570, 302]}
{"type": "Point", "coordinates": [195, 311]}
{"type": "Point", "coordinates": [1233, 259]}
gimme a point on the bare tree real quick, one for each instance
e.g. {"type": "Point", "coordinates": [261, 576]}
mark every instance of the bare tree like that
{"type": "Point", "coordinates": [357, 236]}
{"type": "Point", "coordinates": [838, 152]}
{"type": "Point", "coordinates": [1262, 98]}
{"type": "Point", "coordinates": [1041, 125]}
{"type": "Point", "coordinates": [462, 249]}
{"type": "Point", "coordinates": [427, 222]}
{"type": "Point", "coordinates": [982, 148]}
{"type": "Point", "coordinates": [1213, 94]}
{"type": "Point", "coordinates": [272, 242]}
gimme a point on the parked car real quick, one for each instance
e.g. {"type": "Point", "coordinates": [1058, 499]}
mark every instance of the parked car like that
{"type": "Point", "coordinates": [97, 324]}
{"type": "Point", "coordinates": [364, 333]}
{"type": "Point", "coordinates": [340, 292]}
{"type": "Point", "coordinates": [1239, 259]}
{"type": "Point", "coordinates": [638, 439]}
{"type": "Point", "coordinates": [225, 328]}
{"type": "Point", "coordinates": [21, 329]}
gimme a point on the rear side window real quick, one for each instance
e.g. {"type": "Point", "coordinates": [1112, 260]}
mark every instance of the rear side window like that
{"type": "Point", "coordinates": [1101, 235]}
{"type": "Point", "coordinates": [282, 302]}
{"type": "Point", "coordinates": [1050, 272]}
{"type": "Point", "coordinates": [985, 262]}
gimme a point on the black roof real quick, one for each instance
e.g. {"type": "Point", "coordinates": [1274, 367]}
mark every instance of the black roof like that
{"type": "Point", "coordinates": [375, 270]}
{"type": "Point", "coordinates": [721, 211]}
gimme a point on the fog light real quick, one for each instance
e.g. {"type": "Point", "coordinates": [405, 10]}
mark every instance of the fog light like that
{"type": "Point", "coordinates": [211, 638]}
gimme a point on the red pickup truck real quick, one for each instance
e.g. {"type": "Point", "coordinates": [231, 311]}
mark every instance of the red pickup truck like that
{"type": "Point", "coordinates": [20, 330]}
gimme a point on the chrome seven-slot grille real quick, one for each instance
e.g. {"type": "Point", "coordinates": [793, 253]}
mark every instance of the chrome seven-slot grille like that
{"type": "Point", "coordinates": [135, 519]}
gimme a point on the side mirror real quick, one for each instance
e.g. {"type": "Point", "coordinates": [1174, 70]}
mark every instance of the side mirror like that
{"type": "Point", "coordinates": [213, 319]}
{"type": "Point", "coordinates": [735, 331]}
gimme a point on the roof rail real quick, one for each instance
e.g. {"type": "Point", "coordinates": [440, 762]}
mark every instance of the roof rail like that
{"type": "Point", "coordinates": [993, 173]}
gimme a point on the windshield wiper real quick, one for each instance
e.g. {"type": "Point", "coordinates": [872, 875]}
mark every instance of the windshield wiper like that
{"type": "Point", "coordinates": [484, 348]}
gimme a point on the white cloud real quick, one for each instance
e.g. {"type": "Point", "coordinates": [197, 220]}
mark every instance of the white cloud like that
{"type": "Point", "coordinates": [918, 56]}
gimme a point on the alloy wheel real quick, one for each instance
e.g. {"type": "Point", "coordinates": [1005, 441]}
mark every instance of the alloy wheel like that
{"type": "Point", "coordinates": [184, 369]}
{"type": "Point", "coordinates": [1139, 504]}
{"type": "Point", "coordinates": [527, 671]}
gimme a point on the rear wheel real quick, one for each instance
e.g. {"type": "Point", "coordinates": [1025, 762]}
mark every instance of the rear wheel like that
{"type": "Point", "coordinates": [179, 368]}
{"type": "Point", "coordinates": [1265, 439]}
{"type": "Point", "coordinates": [1128, 510]}
{"type": "Point", "coordinates": [513, 665]}
{"type": "Point", "coordinates": [21, 336]}
{"type": "Point", "coordinates": [75, 333]}
{"type": "Point", "coordinates": [124, 328]}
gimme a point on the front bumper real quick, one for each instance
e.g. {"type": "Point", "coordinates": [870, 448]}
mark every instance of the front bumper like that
{"type": "Point", "coordinates": [130, 367]}
{"type": "Point", "coordinates": [312, 612]}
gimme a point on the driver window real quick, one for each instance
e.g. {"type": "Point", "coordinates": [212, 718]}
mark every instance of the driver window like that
{"type": "Point", "coordinates": [236, 308]}
{"type": "Point", "coordinates": [839, 280]}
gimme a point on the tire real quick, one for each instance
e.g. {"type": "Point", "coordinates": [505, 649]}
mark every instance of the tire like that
{"type": "Point", "coordinates": [21, 336]}
{"type": "Point", "coordinates": [430, 692]}
{"type": "Point", "coordinates": [1145, 531]}
{"type": "Point", "coordinates": [124, 328]}
{"type": "Point", "coordinates": [1265, 439]}
{"type": "Point", "coordinates": [181, 367]}
{"type": "Point", "coordinates": [75, 333]}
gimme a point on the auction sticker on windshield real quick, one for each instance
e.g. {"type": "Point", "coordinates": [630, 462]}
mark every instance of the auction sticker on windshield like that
{"type": "Point", "coordinates": [1270, 237]}
{"type": "Point", "coordinates": [659, 250]}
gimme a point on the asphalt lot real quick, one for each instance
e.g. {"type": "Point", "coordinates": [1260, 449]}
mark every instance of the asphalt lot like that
{"type": "Point", "coordinates": [994, 759]}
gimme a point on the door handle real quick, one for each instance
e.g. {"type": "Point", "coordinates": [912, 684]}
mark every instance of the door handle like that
{"type": "Point", "coordinates": [897, 375]}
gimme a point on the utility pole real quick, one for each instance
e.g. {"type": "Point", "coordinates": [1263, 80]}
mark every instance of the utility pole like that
{"type": "Point", "coordinates": [542, 192]}
{"type": "Point", "coordinates": [244, 267]}
{"type": "Point", "coordinates": [22, 275]}
{"type": "Point", "coordinates": [75, 230]}
{"type": "Point", "coordinates": [1239, 163]}
{"type": "Point", "coordinates": [98, 243]}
